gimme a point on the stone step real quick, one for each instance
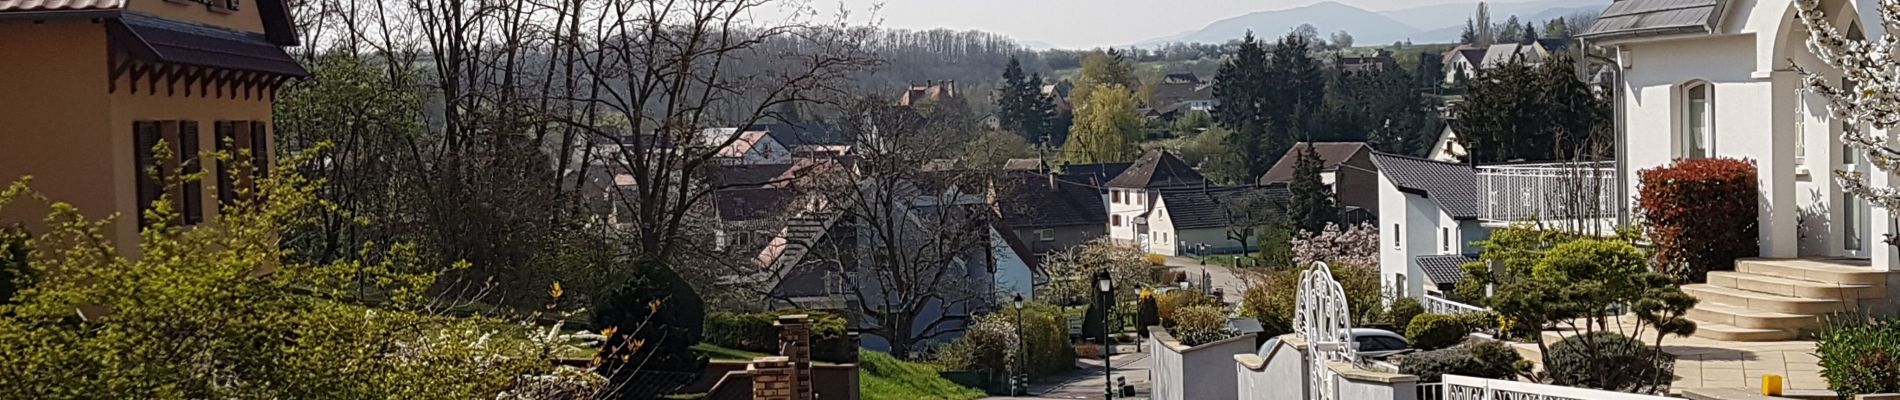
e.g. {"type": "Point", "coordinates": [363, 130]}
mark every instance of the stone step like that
{"type": "Point", "coordinates": [1716, 313]}
{"type": "Point", "coordinates": [1854, 272]}
{"type": "Point", "coordinates": [1762, 301]}
{"type": "Point", "coordinates": [1806, 289]}
{"type": "Point", "coordinates": [1732, 333]}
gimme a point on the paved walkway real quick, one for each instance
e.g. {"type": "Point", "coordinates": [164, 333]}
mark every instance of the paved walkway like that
{"type": "Point", "coordinates": [1715, 364]}
{"type": "Point", "coordinates": [1087, 382]}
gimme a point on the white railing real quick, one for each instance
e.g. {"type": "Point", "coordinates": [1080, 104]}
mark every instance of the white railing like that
{"type": "Point", "coordinates": [1548, 192]}
{"type": "Point", "coordinates": [1467, 388]}
{"type": "Point", "coordinates": [1440, 305]}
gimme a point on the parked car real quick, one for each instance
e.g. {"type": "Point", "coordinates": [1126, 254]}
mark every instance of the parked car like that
{"type": "Point", "coordinates": [1379, 343]}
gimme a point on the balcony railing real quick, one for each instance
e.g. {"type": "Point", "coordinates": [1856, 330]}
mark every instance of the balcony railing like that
{"type": "Point", "coordinates": [1440, 305]}
{"type": "Point", "coordinates": [1467, 388]}
{"type": "Point", "coordinates": [1571, 193]}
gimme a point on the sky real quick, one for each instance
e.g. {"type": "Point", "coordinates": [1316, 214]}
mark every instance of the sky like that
{"type": "Point", "coordinates": [1079, 23]}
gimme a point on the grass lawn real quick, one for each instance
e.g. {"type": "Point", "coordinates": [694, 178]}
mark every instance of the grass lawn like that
{"type": "Point", "coordinates": [882, 377]}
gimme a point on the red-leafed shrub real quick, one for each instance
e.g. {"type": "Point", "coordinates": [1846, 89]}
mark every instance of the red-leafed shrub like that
{"type": "Point", "coordinates": [1700, 213]}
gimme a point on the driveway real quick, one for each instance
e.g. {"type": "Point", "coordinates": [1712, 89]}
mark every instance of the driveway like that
{"type": "Point", "coordinates": [1233, 284]}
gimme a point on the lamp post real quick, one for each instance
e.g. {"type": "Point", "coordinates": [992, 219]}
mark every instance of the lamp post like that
{"type": "Point", "coordinates": [1022, 354]}
{"type": "Point", "coordinates": [1106, 286]}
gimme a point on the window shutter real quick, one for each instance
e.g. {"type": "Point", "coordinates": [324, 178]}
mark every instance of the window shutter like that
{"type": "Point", "coordinates": [260, 149]}
{"type": "Point", "coordinates": [144, 136]}
{"type": "Point", "coordinates": [188, 149]}
{"type": "Point", "coordinates": [226, 136]}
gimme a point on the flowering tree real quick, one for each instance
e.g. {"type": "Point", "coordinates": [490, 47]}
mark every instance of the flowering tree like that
{"type": "Point", "coordinates": [1358, 246]}
{"type": "Point", "coordinates": [1869, 99]}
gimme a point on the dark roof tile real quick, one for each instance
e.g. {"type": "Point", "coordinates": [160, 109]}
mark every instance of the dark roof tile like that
{"type": "Point", "coordinates": [1453, 186]}
{"type": "Point", "coordinates": [1159, 169]}
{"type": "Point", "coordinates": [1444, 269]}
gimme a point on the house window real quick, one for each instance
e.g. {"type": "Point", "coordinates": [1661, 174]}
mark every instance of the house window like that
{"type": "Point", "coordinates": [1115, 220]}
{"type": "Point", "coordinates": [1046, 235]}
{"type": "Point", "coordinates": [153, 174]}
{"type": "Point", "coordinates": [1698, 121]}
{"type": "Point", "coordinates": [239, 139]}
{"type": "Point", "coordinates": [1446, 234]}
{"type": "Point", "coordinates": [1117, 196]}
{"type": "Point", "coordinates": [1395, 237]}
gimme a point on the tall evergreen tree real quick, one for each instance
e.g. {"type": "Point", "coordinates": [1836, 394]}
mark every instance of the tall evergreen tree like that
{"type": "Point", "coordinates": [1296, 92]}
{"type": "Point", "coordinates": [1483, 21]}
{"type": "Point", "coordinates": [1021, 107]}
{"type": "Point", "coordinates": [1557, 29]}
{"type": "Point", "coordinates": [1431, 70]}
{"type": "Point", "coordinates": [1510, 32]}
{"type": "Point", "coordinates": [1470, 34]}
{"type": "Point", "coordinates": [1311, 206]}
{"type": "Point", "coordinates": [1522, 113]}
{"type": "Point", "coordinates": [1530, 33]}
{"type": "Point", "coordinates": [1242, 89]}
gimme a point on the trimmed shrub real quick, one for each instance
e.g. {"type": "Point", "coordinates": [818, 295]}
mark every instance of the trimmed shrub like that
{"type": "Point", "coordinates": [1700, 213]}
{"type": "Point", "coordinates": [1435, 331]}
{"type": "Point", "coordinates": [1198, 325]}
{"type": "Point", "coordinates": [1167, 302]}
{"type": "Point", "coordinates": [1403, 310]}
{"type": "Point", "coordinates": [1479, 359]}
{"type": "Point", "coordinates": [756, 332]}
{"type": "Point", "coordinates": [1609, 361]}
{"type": "Point", "coordinates": [1859, 355]}
{"type": "Point", "coordinates": [990, 345]}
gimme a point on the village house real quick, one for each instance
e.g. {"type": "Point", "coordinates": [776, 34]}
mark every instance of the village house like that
{"type": "Point", "coordinates": [1134, 194]}
{"type": "Point", "coordinates": [1427, 209]}
{"type": "Point", "coordinates": [1346, 168]}
{"type": "Point", "coordinates": [91, 87]}
{"type": "Point", "coordinates": [1052, 212]}
{"type": "Point", "coordinates": [1712, 78]}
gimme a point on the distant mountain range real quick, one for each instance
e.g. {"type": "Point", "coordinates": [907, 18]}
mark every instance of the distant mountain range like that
{"type": "Point", "coordinates": [1427, 24]}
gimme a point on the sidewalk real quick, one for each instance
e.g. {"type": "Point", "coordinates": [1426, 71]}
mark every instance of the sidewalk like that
{"type": "Point", "coordinates": [1232, 284]}
{"type": "Point", "coordinates": [1086, 381]}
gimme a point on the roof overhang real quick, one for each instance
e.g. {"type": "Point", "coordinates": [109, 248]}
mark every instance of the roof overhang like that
{"type": "Point", "coordinates": [1660, 22]}
{"type": "Point", "coordinates": [158, 40]}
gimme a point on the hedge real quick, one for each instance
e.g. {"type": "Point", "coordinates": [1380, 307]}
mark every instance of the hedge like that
{"type": "Point", "coordinates": [1435, 331]}
{"type": "Point", "coordinates": [755, 332]}
{"type": "Point", "coordinates": [1700, 213]}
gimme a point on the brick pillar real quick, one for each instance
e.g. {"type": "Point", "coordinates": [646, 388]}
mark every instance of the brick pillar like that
{"type": "Point", "coordinates": [773, 378]}
{"type": "Point", "coordinates": [794, 343]}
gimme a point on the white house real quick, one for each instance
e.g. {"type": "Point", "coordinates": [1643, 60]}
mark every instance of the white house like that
{"type": "Point", "coordinates": [755, 148]}
{"type": "Point", "coordinates": [1427, 209]}
{"type": "Point", "coordinates": [1135, 193]}
{"type": "Point", "coordinates": [1447, 148]}
{"type": "Point", "coordinates": [1711, 78]}
{"type": "Point", "coordinates": [1184, 221]}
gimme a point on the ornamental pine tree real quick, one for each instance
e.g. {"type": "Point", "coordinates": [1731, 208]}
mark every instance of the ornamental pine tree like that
{"type": "Point", "coordinates": [1311, 207]}
{"type": "Point", "coordinates": [1869, 107]}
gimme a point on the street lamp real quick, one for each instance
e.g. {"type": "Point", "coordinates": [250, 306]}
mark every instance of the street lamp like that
{"type": "Point", "coordinates": [1107, 286]}
{"type": "Point", "coordinates": [1022, 355]}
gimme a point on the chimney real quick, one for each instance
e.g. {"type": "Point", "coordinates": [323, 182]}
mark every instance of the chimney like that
{"type": "Point", "coordinates": [794, 340]}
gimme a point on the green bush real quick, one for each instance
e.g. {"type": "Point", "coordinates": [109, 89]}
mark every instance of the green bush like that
{"type": "Point", "coordinates": [1147, 312]}
{"type": "Point", "coordinates": [758, 332]}
{"type": "Point", "coordinates": [1681, 203]}
{"type": "Point", "coordinates": [14, 273]}
{"type": "Point", "coordinates": [1435, 331]}
{"type": "Point", "coordinates": [1403, 310]}
{"type": "Point", "coordinates": [1859, 355]}
{"type": "Point", "coordinates": [1199, 325]}
{"type": "Point", "coordinates": [1167, 302]}
{"type": "Point", "coordinates": [990, 345]}
{"type": "Point", "coordinates": [666, 318]}
{"type": "Point", "coordinates": [1479, 359]}
{"type": "Point", "coordinates": [1609, 361]}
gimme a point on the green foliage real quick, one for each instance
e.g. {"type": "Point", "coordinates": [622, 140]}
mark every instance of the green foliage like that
{"type": "Point", "coordinates": [665, 318]}
{"type": "Point", "coordinates": [1072, 272]}
{"type": "Point", "coordinates": [1169, 302]}
{"type": "Point", "coordinates": [1199, 325]}
{"type": "Point", "coordinates": [1859, 355]}
{"type": "Point", "coordinates": [1403, 310]}
{"type": "Point", "coordinates": [1677, 204]}
{"type": "Point", "coordinates": [1479, 359]}
{"type": "Point", "coordinates": [1312, 208]}
{"type": "Point", "coordinates": [1147, 312]}
{"type": "Point", "coordinates": [1269, 100]}
{"type": "Point", "coordinates": [219, 310]}
{"type": "Point", "coordinates": [1609, 361]}
{"type": "Point", "coordinates": [1022, 108]}
{"type": "Point", "coordinates": [1435, 331]}
{"type": "Point", "coordinates": [1106, 127]}
{"type": "Point", "coordinates": [882, 377]}
{"type": "Point", "coordinates": [1381, 107]}
{"type": "Point", "coordinates": [1210, 151]}
{"type": "Point", "coordinates": [1276, 247]}
{"type": "Point", "coordinates": [1273, 300]}
{"type": "Point", "coordinates": [14, 273]}
{"type": "Point", "coordinates": [758, 332]}
{"type": "Point", "coordinates": [991, 149]}
{"type": "Point", "coordinates": [989, 346]}
{"type": "Point", "coordinates": [1525, 113]}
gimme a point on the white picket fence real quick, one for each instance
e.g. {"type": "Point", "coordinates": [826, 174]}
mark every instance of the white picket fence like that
{"type": "Point", "coordinates": [1467, 388]}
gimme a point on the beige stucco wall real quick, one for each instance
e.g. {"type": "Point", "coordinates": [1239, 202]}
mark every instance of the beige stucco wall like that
{"type": "Point", "coordinates": [53, 119]}
{"type": "Point", "coordinates": [60, 123]}
{"type": "Point", "coordinates": [244, 19]}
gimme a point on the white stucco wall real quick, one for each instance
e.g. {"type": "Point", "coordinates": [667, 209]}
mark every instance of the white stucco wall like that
{"type": "Point", "coordinates": [1127, 209]}
{"type": "Point", "coordinates": [1759, 115]}
{"type": "Point", "coordinates": [1281, 374]}
{"type": "Point", "coordinates": [1204, 372]}
{"type": "Point", "coordinates": [1419, 226]}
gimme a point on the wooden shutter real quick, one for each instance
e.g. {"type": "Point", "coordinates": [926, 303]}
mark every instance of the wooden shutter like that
{"type": "Point", "coordinates": [260, 148]}
{"type": "Point", "coordinates": [226, 136]}
{"type": "Point", "coordinates": [192, 194]}
{"type": "Point", "coordinates": [145, 135]}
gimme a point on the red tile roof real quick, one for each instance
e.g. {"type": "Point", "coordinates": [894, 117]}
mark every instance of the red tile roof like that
{"type": "Point", "coordinates": [48, 5]}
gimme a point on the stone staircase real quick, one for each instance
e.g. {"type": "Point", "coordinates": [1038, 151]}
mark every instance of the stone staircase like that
{"type": "Point", "coordinates": [1772, 300]}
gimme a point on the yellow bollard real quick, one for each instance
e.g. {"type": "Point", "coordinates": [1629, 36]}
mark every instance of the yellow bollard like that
{"type": "Point", "coordinates": [1771, 385]}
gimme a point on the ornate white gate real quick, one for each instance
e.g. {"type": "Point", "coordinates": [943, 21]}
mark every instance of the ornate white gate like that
{"type": "Point", "coordinates": [1322, 318]}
